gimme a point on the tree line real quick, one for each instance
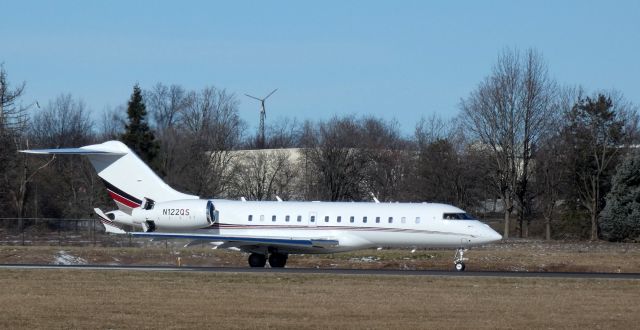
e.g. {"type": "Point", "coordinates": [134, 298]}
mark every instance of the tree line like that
{"type": "Point", "coordinates": [546, 159]}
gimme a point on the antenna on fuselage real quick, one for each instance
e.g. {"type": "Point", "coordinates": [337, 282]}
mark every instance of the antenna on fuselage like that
{"type": "Point", "coordinates": [374, 198]}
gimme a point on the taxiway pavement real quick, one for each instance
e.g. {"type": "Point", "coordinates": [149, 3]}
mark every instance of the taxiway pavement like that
{"type": "Point", "coordinates": [368, 272]}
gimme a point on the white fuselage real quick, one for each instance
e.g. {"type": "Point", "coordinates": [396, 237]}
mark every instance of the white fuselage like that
{"type": "Point", "coordinates": [354, 225]}
{"type": "Point", "coordinates": [269, 230]}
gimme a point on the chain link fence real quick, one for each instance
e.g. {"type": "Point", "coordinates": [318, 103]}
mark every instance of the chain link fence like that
{"type": "Point", "coordinates": [67, 232]}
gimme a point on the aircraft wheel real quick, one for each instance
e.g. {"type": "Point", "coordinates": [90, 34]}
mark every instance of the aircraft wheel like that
{"type": "Point", "coordinates": [277, 260]}
{"type": "Point", "coordinates": [257, 260]}
{"type": "Point", "coordinates": [460, 266]}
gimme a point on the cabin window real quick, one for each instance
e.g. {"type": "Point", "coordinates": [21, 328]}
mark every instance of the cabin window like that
{"type": "Point", "coordinates": [273, 218]}
{"type": "Point", "coordinates": [299, 218]}
{"type": "Point", "coordinates": [390, 219]}
{"type": "Point", "coordinates": [417, 219]}
{"type": "Point", "coordinates": [261, 217]}
{"type": "Point", "coordinates": [339, 219]}
{"type": "Point", "coordinates": [377, 219]}
{"type": "Point", "coordinates": [313, 218]}
{"type": "Point", "coordinates": [364, 219]}
{"type": "Point", "coordinates": [286, 218]}
{"type": "Point", "coordinates": [458, 216]}
{"type": "Point", "coordinates": [326, 218]}
{"type": "Point", "coordinates": [250, 217]}
{"type": "Point", "coordinates": [403, 219]}
{"type": "Point", "coordinates": [352, 219]}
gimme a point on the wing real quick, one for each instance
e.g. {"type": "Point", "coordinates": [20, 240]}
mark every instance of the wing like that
{"type": "Point", "coordinates": [241, 241]}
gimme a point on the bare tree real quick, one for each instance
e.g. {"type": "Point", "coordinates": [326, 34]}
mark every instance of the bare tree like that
{"type": "Point", "coordinates": [508, 113]}
{"type": "Point", "coordinates": [538, 114]}
{"type": "Point", "coordinates": [70, 182]}
{"type": "Point", "coordinates": [263, 174]}
{"type": "Point", "coordinates": [112, 122]}
{"type": "Point", "coordinates": [552, 169]}
{"type": "Point", "coordinates": [212, 128]}
{"type": "Point", "coordinates": [15, 169]}
{"type": "Point", "coordinates": [166, 106]}
{"type": "Point", "coordinates": [387, 159]}
{"type": "Point", "coordinates": [431, 129]}
{"type": "Point", "coordinates": [284, 133]}
{"type": "Point", "coordinates": [336, 159]}
{"type": "Point", "coordinates": [13, 116]}
{"type": "Point", "coordinates": [549, 177]}
{"type": "Point", "coordinates": [446, 169]}
{"type": "Point", "coordinates": [63, 122]}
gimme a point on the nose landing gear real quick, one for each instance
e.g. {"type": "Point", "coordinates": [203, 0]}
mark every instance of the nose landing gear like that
{"type": "Point", "coordinates": [459, 259]}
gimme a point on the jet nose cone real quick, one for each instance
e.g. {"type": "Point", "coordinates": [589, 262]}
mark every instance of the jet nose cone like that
{"type": "Point", "coordinates": [489, 235]}
{"type": "Point", "coordinates": [495, 236]}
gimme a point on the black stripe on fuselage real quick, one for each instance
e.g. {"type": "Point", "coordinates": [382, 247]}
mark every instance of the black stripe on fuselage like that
{"type": "Point", "coordinates": [121, 193]}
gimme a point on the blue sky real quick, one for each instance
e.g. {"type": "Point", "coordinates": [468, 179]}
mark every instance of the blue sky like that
{"type": "Point", "coordinates": [391, 59]}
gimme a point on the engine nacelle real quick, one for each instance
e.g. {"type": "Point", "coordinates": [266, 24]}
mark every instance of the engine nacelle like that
{"type": "Point", "coordinates": [179, 215]}
{"type": "Point", "coordinates": [121, 218]}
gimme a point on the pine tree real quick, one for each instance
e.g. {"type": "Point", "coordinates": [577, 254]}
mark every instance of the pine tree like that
{"type": "Point", "coordinates": [620, 219]}
{"type": "Point", "coordinates": [138, 136]}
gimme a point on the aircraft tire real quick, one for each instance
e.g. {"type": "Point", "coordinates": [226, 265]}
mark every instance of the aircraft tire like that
{"type": "Point", "coordinates": [257, 260]}
{"type": "Point", "coordinates": [278, 260]}
{"type": "Point", "coordinates": [460, 266]}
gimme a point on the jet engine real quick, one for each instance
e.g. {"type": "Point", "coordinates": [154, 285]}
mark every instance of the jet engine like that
{"type": "Point", "coordinates": [179, 215]}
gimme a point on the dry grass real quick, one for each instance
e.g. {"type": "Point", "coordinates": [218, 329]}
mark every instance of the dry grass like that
{"type": "Point", "coordinates": [124, 299]}
{"type": "Point", "coordinates": [511, 256]}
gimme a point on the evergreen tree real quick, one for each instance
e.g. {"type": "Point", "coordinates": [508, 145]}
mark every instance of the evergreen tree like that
{"type": "Point", "coordinates": [138, 136]}
{"type": "Point", "coordinates": [620, 219]}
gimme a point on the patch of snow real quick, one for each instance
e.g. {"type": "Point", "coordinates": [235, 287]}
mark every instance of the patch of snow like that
{"type": "Point", "coordinates": [365, 259]}
{"type": "Point", "coordinates": [64, 258]}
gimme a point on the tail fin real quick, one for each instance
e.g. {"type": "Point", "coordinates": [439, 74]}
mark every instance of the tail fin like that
{"type": "Point", "coordinates": [128, 179]}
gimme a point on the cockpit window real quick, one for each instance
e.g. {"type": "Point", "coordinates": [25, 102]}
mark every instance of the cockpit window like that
{"type": "Point", "coordinates": [458, 216]}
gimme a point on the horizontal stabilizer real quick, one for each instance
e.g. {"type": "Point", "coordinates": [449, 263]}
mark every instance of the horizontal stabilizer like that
{"type": "Point", "coordinates": [107, 148]}
{"type": "Point", "coordinates": [111, 229]}
{"type": "Point", "coordinates": [72, 151]}
{"type": "Point", "coordinates": [109, 226]}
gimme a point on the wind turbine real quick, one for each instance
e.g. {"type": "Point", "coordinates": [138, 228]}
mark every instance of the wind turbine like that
{"type": "Point", "coordinates": [263, 114]}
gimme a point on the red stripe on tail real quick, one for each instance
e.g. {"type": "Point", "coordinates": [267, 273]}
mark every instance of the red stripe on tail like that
{"type": "Point", "coordinates": [123, 200]}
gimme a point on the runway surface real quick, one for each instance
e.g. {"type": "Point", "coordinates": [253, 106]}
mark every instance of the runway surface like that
{"type": "Point", "coordinates": [368, 272]}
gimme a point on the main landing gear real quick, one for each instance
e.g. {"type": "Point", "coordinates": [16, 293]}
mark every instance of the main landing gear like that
{"type": "Point", "coordinates": [257, 260]}
{"type": "Point", "coordinates": [276, 260]}
{"type": "Point", "coordinates": [459, 259]}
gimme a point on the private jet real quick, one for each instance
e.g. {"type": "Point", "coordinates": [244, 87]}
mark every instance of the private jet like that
{"type": "Point", "coordinates": [269, 230]}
